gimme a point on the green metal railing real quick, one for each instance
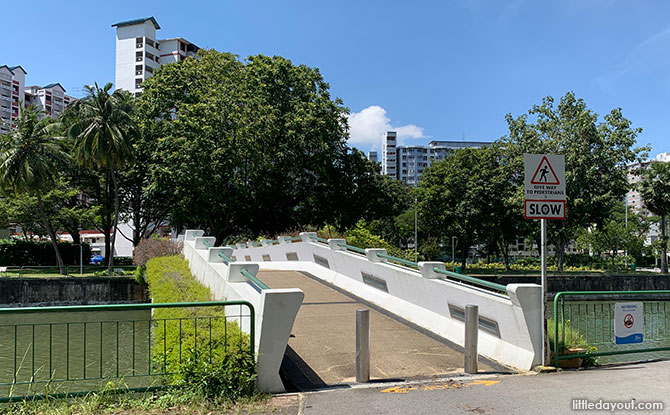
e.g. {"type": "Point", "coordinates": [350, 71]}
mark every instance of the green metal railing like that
{"type": "Point", "coordinates": [317, 238]}
{"type": "Point", "coordinates": [71, 350]}
{"type": "Point", "coordinates": [252, 278]}
{"type": "Point", "coordinates": [587, 321]}
{"type": "Point", "coordinates": [472, 280]}
{"type": "Point", "coordinates": [294, 238]}
{"type": "Point", "coordinates": [399, 260]}
{"type": "Point", "coordinates": [54, 270]}
{"type": "Point", "coordinates": [352, 248]}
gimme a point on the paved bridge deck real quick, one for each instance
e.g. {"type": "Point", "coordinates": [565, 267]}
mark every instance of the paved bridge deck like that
{"type": "Point", "coordinates": [322, 348]}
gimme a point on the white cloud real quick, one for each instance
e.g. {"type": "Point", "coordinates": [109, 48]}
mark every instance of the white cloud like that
{"type": "Point", "coordinates": [367, 128]}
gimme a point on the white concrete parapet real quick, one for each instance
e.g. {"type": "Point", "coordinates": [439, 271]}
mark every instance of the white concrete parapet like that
{"type": "Point", "coordinates": [275, 309]}
{"type": "Point", "coordinates": [306, 236]}
{"type": "Point", "coordinates": [191, 234]}
{"type": "Point", "coordinates": [373, 254]}
{"type": "Point", "coordinates": [204, 242]}
{"type": "Point", "coordinates": [428, 269]}
{"type": "Point", "coordinates": [334, 244]}
{"type": "Point", "coordinates": [214, 252]}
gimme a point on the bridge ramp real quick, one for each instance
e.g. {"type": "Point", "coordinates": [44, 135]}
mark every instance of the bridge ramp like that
{"type": "Point", "coordinates": [322, 346]}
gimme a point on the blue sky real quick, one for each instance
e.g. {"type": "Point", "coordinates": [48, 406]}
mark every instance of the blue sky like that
{"type": "Point", "coordinates": [431, 70]}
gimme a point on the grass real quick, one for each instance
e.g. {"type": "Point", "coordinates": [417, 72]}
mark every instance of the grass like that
{"type": "Point", "coordinates": [173, 402]}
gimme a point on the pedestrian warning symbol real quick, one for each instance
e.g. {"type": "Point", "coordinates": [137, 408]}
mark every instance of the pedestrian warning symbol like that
{"type": "Point", "coordinates": [545, 173]}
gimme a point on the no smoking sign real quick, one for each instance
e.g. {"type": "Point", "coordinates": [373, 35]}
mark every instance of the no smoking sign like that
{"type": "Point", "coordinates": [628, 323]}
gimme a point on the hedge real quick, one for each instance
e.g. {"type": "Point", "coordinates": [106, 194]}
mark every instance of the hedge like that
{"type": "Point", "coordinates": [17, 252]}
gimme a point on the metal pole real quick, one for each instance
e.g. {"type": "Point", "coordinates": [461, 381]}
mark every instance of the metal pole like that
{"type": "Point", "coordinates": [416, 239]}
{"type": "Point", "coordinates": [543, 249]}
{"type": "Point", "coordinates": [81, 257]}
{"type": "Point", "coordinates": [453, 252]}
{"type": "Point", "coordinates": [625, 250]}
{"type": "Point", "coordinates": [363, 345]}
{"type": "Point", "coordinates": [471, 336]}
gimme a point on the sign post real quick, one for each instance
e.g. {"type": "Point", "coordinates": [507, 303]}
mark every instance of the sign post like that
{"type": "Point", "coordinates": [544, 198]}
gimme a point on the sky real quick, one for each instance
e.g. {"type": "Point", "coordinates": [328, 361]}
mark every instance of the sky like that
{"type": "Point", "coordinates": [430, 70]}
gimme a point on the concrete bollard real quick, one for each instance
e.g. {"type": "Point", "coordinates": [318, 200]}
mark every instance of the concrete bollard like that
{"type": "Point", "coordinates": [471, 336]}
{"type": "Point", "coordinates": [363, 345]}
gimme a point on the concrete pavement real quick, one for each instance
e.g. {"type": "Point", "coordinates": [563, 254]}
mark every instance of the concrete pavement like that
{"type": "Point", "coordinates": [550, 393]}
{"type": "Point", "coordinates": [321, 349]}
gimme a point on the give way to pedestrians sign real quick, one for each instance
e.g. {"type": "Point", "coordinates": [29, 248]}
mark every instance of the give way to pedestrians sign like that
{"type": "Point", "coordinates": [544, 186]}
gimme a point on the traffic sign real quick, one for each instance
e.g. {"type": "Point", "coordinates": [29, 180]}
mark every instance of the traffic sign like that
{"type": "Point", "coordinates": [544, 176]}
{"type": "Point", "coordinates": [544, 209]}
{"type": "Point", "coordinates": [628, 323]}
{"type": "Point", "coordinates": [544, 186]}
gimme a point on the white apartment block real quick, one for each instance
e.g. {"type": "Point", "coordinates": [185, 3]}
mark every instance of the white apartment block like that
{"type": "Point", "coordinates": [389, 154]}
{"type": "Point", "coordinates": [139, 52]}
{"type": "Point", "coordinates": [12, 83]}
{"type": "Point", "coordinates": [14, 95]}
{"type": "Point", "coordinates": [407, 163]}
{"type": "Point", "coordinates": [51, 99]}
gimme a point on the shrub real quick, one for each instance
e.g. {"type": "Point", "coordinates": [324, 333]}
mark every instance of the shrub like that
{"type": "Point", "coordinates": [20, 252]}
{"type": "Point", "coordinates": [155, 247]}
{"type": "Point", "coordinates": [362, 237]}
{"type": "Point", "coordinates": [123, 260]}
{"type": "Point", "coordinates": [569, 338]}
{"type": "Point", "coordinates": [208, 354]}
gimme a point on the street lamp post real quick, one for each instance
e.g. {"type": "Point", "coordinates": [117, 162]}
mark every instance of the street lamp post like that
{"type": "Point", "coordinates": [81, 254]}
{"type": "Point", "coordinates": [454, 239]}
{"type": "Point", "coordinates": [416, 238]}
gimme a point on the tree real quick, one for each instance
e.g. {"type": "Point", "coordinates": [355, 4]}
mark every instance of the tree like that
{"type": "Point", "coordinates": [615, 234]}
{"type": "Point", "coordinates": [596, 154]}
{"type": "Point", "coordinates": [31, 158]}
{"type": "Point", "coordinates": [103, 136]}
{"type": "Point", "coordinates": [255, 147]}
{"type": "Point", "coordinates": [655, 192]}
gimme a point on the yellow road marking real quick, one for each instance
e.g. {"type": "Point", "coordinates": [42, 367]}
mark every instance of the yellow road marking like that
{"type": "Point", "coordinates": [484, 382]}
{"type": "Point", "coordinates": [452, 385]}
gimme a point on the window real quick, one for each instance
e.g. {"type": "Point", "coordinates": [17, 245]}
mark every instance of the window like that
{"type": "Point", "coordinates": [139, 42]}
{"type": "Point", "coordinates": [138, 69]}
{"type": "Point", "coordinates": [182, 47]}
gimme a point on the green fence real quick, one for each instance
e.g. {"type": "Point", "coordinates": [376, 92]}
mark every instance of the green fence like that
{"type": "Point", "coordinates": [584, 323]}
{"type": "Point", "coordinates": [53, 270]}
{"type": "Point", "coordinates": [58, 351]}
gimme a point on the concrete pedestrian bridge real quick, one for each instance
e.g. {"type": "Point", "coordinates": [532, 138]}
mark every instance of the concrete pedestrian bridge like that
{"type": "Point", "coordinates": [306, 290]}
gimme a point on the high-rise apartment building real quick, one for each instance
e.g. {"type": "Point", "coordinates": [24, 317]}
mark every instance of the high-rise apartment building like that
{"type": "Point", "coordinates": [12, 83]}
{"type": "Point", "coordinates": [139, 52]}
{"type": "Point", "coordinates": [389, 154]}
{"type": "Point", "coordinates": [14, 95]}
{"type": "Point", "coordinates": [409, 162]}
{"type": "Point", "coordinates": [50, 98]}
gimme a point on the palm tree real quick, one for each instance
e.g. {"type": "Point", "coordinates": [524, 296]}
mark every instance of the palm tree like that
{"type": "Point", "coordinates": [31, 161]}
{"type": "Point", "coordinates": [103, 137]}
{"type": "Point", "coordinates": [655, 192]}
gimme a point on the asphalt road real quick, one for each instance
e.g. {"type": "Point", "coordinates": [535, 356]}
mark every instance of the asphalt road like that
{"type": "Point", "coordinates": [550, 393]}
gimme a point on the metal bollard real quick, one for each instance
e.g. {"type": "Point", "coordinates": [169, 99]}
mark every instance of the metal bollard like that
{"type": "Point", "coordinates": [471, 335]}
{"type": "Point", "coordinates": [363, 345]}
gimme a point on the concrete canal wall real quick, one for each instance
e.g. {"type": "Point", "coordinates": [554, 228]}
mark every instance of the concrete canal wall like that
{"type": "Point", "coordinates": [25, 292]}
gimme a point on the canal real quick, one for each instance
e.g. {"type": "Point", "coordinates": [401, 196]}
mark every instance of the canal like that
{"type": "Point", "coordinates": [73, 351]}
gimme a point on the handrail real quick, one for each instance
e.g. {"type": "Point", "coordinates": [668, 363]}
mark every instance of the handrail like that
{"type": "Point", "coordinates": [472, 280]}
{"type": "Point", "coordinates": [400, 260]}
{"type": "Point", "coordinates": [352, 248]}
{"type": "Point", "coordinates": [316, 238]}
{"type": "Point", "coordinates": [294, 238]}
{"type": "Point", "coordinates": [226, 257]}
{"type": "Point", "coordinates": [253, 278]}
{"type": "Point", "coordinates": [260, 284]}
